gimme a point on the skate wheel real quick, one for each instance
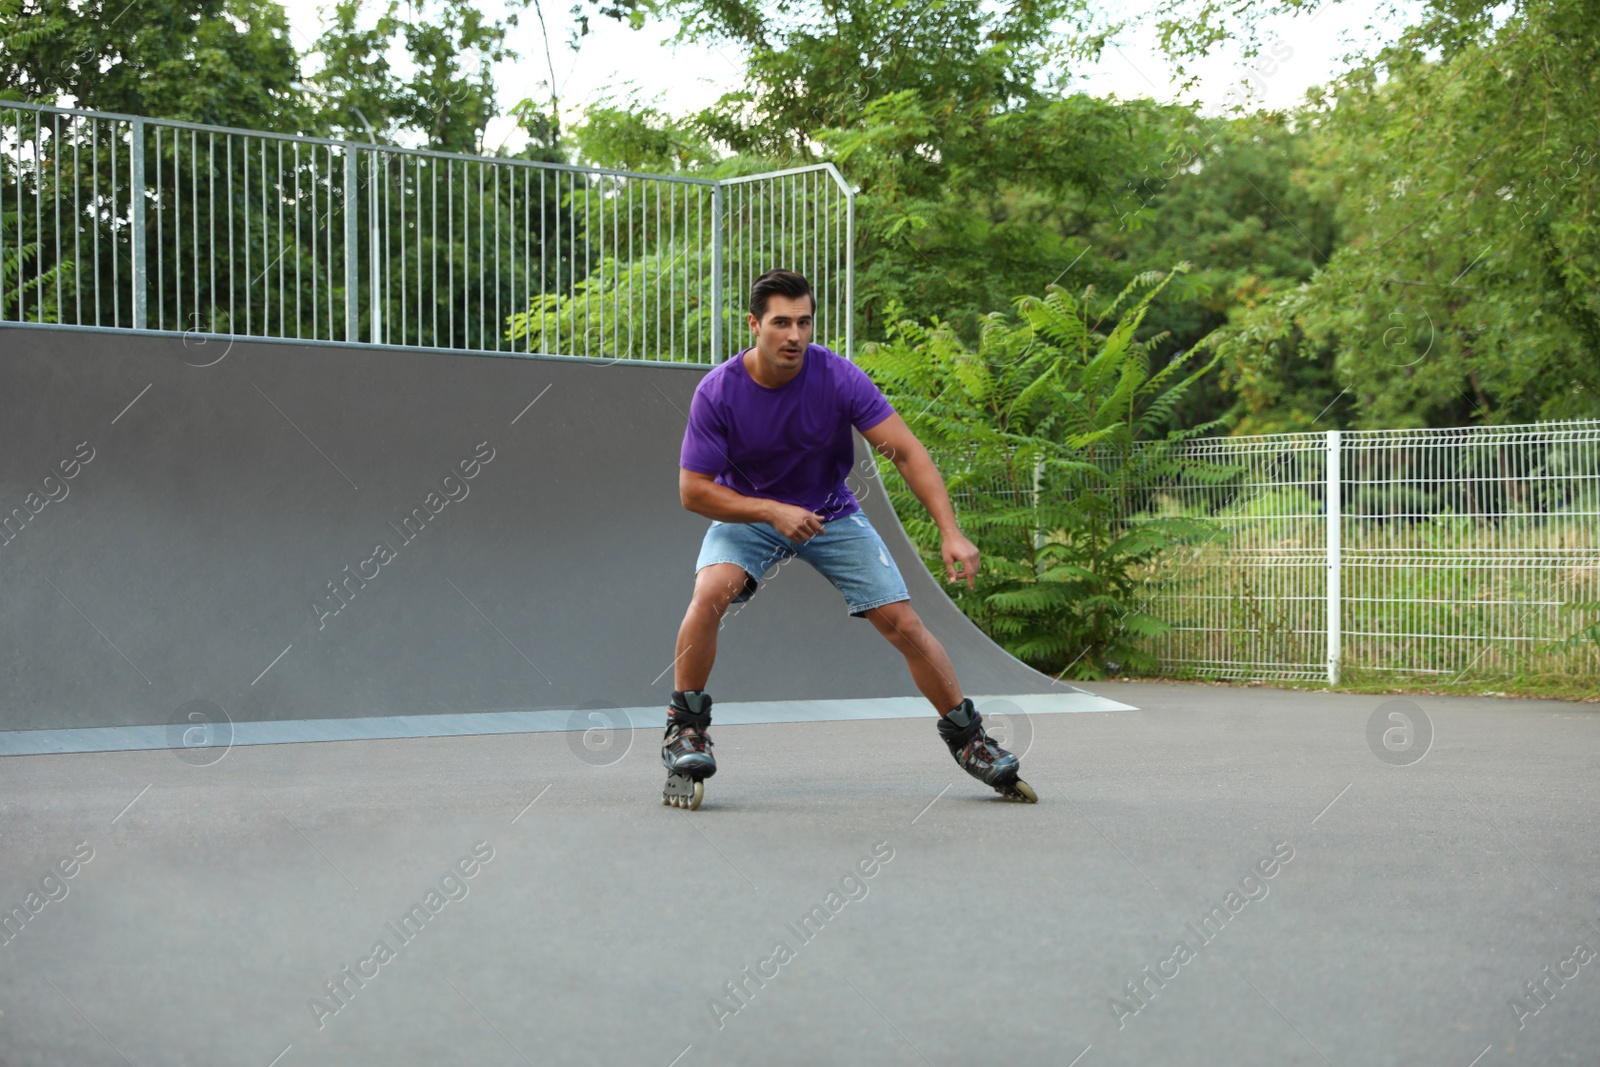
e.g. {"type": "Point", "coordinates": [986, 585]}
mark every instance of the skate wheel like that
{"type": "Point", "coordinates": [1020, 791]}
{"type": "Point", "coordinates": [683, 792]}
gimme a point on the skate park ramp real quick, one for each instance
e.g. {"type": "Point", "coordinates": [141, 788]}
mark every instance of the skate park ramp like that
{"type": "Point", "coordinates": [212, 542]}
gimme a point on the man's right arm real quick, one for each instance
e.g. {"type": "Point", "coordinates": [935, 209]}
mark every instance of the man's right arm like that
{"type": "Point", "coordinates": [701, 494]}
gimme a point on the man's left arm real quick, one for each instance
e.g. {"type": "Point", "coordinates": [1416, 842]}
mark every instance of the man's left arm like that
{"type": "Point", "coordinates": [894, 440]}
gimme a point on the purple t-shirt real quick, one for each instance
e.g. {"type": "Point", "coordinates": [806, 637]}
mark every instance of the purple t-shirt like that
{"type": "Point", "coordinates": [791, 444]}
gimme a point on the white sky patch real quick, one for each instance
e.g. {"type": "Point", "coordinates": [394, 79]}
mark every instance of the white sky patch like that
{"type": "Point", "coordinates": [1296, 53]}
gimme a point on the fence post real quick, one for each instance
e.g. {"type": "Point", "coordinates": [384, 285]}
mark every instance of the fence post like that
{"type": "Point", "coordinates": [850, 274]}
{"type": "Point", "coordinates": [1335, 511]}
{"type": "Point", "coordinates": [136, 204]}
{"type": "Point", "coordinates": [717, 246]}
{"type": "Point", "coordinates": [372, 248]}
{"type": "Point", "coordinates": [352, 237]}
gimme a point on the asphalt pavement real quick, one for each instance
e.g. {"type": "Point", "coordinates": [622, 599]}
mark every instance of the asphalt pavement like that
{"type": "Point", "coordinates": [1224, 876]}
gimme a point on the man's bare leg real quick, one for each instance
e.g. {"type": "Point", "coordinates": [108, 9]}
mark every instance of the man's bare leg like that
{"type": "Point", "coordinates": [930, 665]}
{"type": "Point", "coordinates": [974, 750]}
{"type": "Point", "coordinates": [714, 589]}
{"type": "Point", "coordinates": [686, 744]}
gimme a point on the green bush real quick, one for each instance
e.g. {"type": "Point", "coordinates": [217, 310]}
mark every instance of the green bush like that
{"type": "Point", "coordinates": [1046, 434]}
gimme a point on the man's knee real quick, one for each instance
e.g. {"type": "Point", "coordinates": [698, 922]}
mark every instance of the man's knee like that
{"type": "Point", "coordinates": [716, 586]}
{"type": "Point", "coordinates": [898, 622]}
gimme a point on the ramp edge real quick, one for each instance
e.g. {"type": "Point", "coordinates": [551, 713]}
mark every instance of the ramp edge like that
{"type": "Point", "coordinates": [470, 724]}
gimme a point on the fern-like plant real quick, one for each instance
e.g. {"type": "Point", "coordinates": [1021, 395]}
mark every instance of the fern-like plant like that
{"type": "Point", "coordinates": [1045, 434]}
{"type": "Point", "coordinates": [20, 279]}
{"type": "Point", "coordinates": [1586, 636]}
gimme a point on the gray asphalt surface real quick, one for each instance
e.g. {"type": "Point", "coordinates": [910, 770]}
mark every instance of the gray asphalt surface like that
{"type": "Point", "coordinates": [1418, 900]}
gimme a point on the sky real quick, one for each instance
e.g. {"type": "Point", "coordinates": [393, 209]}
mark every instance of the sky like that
{"type": "Point", "coordinates": [1298, 53]}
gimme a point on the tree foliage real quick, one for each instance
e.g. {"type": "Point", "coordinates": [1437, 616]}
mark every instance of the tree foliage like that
{"type": "Point", "coordinates": [1465, 162]}
{"type": "Point", "coordinates": [1232, 196]}
{"type": "Point", "coordinates": [980, 175]}
{"type": "Point", "coordinates": [414, 73]}
{"type": "Point", "coordinates": [227, 62]}
{"type": "Point", "coordinates": [446, 92]}
{"type": "Point", "coordinates": [1416, 246]}
{"type": "Point", "coordinates": [636, 135]}
{"type": "Point", "coordinates": [814, 65]}
{"type": "Point", "coordinates": [1045, 431]}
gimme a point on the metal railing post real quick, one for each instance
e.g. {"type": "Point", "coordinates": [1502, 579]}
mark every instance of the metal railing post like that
{"type": "Point", "coordinates": [136, 209]}
{"type": "Point", "coordinates": [850, 274]}
{"type": "Point", "coordinates": [717, 246]}
{"type": "Point", "coordinates": [352, 238]}
{"type": "Point", "coordinates": [4, 292]}
{"type": "Point", "coordinates": [214, 224]}
{"type": "Point", "coordinates": [1335, 511]}
{"type": "Point", "coordinates": [372, 244]}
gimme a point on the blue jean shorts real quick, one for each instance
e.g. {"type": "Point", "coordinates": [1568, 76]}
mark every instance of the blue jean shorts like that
{"type": "Point", "coordinates": [848, 552]}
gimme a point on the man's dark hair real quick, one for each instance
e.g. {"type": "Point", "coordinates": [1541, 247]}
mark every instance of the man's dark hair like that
{"type": "Point", "coordinates": [779, 283]}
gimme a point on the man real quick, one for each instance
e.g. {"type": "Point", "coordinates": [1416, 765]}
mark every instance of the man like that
{"type": "Point", "coordinates": [764, 457]}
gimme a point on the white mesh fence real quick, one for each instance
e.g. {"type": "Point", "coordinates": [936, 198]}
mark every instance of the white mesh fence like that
{"type": "Point", "coordinates": [1452, 552]}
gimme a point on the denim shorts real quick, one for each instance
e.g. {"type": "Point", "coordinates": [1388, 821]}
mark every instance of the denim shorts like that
{"type": "Point", "coordinates": [848, 552]}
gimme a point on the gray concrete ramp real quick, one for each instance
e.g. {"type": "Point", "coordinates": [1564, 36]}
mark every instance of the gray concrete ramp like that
{"type": "Point", "coordinates": [203, 531]}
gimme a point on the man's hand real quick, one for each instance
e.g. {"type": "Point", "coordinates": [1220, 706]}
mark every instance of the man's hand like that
{"type": "Point", "coordinates": [701, 494]}
{"type": "Point", "coordinates": [798, 524]}
{"type": "Point", "coordinates": [960, 558]}
{"type": "Point", "coordinates": [894, 439]}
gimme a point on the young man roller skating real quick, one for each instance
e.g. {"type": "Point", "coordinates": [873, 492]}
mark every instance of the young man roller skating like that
{"type": "Point", "coordinates": [764, 457]}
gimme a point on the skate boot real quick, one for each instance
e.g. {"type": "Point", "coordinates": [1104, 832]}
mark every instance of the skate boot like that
{"type": "Point", "coordinates": [686, 749]}
{"type": "Point", "coordinates": [962, 730]}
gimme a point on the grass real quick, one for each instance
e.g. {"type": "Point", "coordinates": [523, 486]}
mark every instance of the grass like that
{"type": "Point", "coordinates": [1576, 689]}
{"type": "Point", "coordinates": [1253, 604]}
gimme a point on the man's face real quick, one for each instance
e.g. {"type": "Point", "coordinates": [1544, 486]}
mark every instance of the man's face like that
{"type": "Point", "coordinates": [782, 334]}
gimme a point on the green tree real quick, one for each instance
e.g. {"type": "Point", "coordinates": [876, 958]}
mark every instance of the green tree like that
{"type": "Point", "coordinates": [1465, 160]}
{"type": "Point", "coordinates": [979, 176]}
{"type": "Point", "coordinates": [1233, 197]}
{"type": "Point", "coordinates": [958, 210]}
{"type": "Point", "coordinates": [814, 66]}
{"type": "Point", "coordinates": [445, 93]}
{"type": "Point", "coordinates": [227, 62]}
{"type": "Point", "coordinates": [634, 135]}
{"type": "Point", "coordinates": [20, 28]}
{"type": "Point", "coordinates": [38, 292]}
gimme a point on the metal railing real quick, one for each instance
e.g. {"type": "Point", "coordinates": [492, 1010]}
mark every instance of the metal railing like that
{"type": "Point", "coordinates": [127, 222]}
{"type": "Point", "coordinates": [1409, 551]}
